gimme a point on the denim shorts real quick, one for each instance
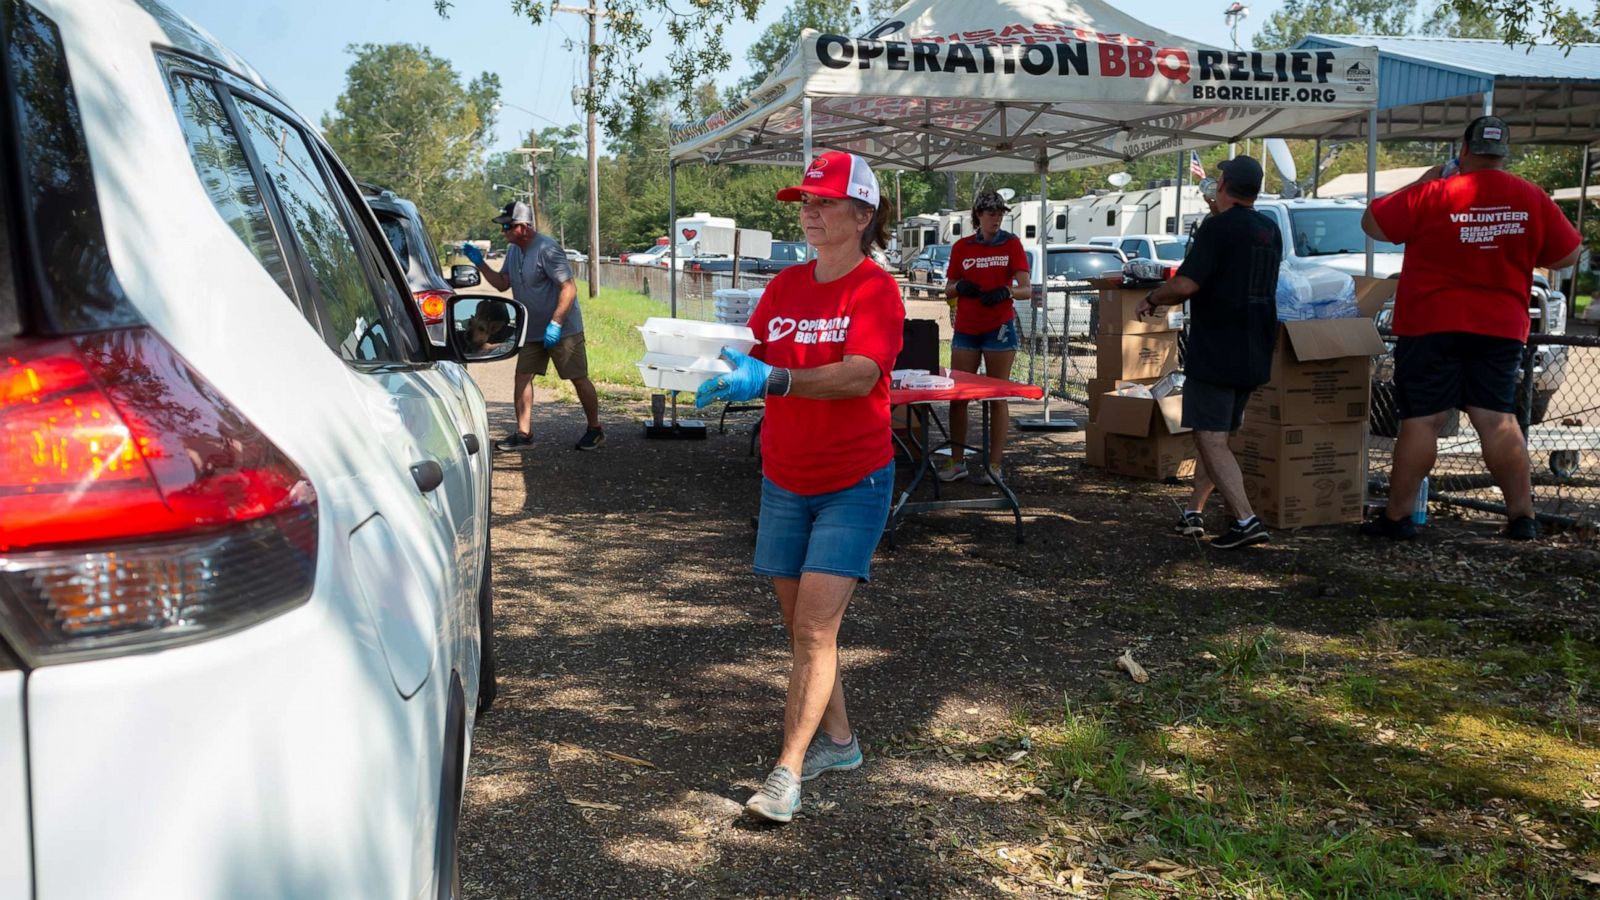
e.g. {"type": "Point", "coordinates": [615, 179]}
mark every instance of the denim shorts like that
{"type": "Point", "coordinates": [1003, 338]}
{"type": "Point", "coordinates": [834, 533]}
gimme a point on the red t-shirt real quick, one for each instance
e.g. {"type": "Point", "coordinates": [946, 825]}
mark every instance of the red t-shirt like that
{"type": "Point", "coordinates": [815, 447]}
{"type": "Point", "coordinates": [1472, 242]}
{"type": "Point", "coordinates": [989, 266]}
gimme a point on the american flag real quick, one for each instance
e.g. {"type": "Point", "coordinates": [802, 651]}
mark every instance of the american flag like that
{"type": "Point", "coordinates": [1195, 168]}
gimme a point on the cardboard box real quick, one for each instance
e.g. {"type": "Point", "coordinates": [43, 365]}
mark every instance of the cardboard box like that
{"type": "Point", "coordinates": [1094, 446]}
{"type": "Point", "coordinates": [1146, 438]}
{"type": "Point", "coordinates": [1133, 356]}
{"type": "Point", "coordinates": [1100, 386]}
{"type": "Point", "coordinates": [1321, 373]}
{"type": "Point", "coordinates": [1299, 475]}
{"type": "Point", "coordinates": [1372, 294]}
{"type": "Point", "coordinates": [1119, 314]}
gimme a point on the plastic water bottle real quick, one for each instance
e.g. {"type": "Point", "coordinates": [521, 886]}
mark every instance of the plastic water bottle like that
{"type": "Point", "coordinates": [1419, 512]}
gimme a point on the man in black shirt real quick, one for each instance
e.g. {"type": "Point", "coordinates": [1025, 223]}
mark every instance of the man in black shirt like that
{"type": "Point", "coordinates": [1230, 278]}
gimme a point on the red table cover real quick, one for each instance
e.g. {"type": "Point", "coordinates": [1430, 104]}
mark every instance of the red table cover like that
{"type": "Point", "coordinates": [968, 387]}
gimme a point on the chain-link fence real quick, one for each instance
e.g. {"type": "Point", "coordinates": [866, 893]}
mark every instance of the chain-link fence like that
{"type": "Point", "coordinates": [1559, 408]}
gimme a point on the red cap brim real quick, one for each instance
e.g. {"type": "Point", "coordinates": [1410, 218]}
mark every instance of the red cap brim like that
{"type": "Point", "coordinates": [791, 194]}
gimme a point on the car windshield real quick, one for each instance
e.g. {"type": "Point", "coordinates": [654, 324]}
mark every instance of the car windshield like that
{"type": "Point", "coordinates": [1172, 250]}
{"type": "Point", "coordinates": [1324, 232]}
{"type": "Point", "coordinates": [1078, 265]}
{"type": "Point", "coordinates": [939, 253]}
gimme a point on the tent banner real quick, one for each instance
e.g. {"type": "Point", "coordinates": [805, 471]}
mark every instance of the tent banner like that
{"type": "Point", "coordinates": [1024, 63]}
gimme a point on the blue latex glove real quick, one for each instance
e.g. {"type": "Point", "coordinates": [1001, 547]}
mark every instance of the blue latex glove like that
{"type": "Point", "coordinates": [552, 335]}
{"type": "Point", "coordinates": [747, 381]}
{"type": "Point", "coordinates": [473, 253]}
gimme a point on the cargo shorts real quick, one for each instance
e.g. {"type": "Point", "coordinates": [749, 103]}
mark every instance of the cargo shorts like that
{"type": "Point", "coordinates": [569, 354]}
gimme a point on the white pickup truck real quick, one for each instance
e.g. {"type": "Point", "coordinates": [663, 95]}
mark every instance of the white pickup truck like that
{"type": "Point", "coordinates": [1328, 233]}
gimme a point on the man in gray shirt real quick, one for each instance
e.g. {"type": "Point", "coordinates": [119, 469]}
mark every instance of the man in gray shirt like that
{"type": "Point", "coordinates": [537, 273]}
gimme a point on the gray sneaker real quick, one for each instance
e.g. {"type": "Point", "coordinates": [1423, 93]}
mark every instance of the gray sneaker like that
{"type": "Point", "coordinates": [824, 755]}
{"type": "Point", "coordinates": [779, 799]}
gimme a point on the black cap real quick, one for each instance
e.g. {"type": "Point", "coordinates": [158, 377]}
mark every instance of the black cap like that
{"type": "Point", "coordinates": [515, 212]}
{"type": "Point", "coordinates": [1242, 172]}
{"type": "Point", "coordinates": [1489, 136]}
{"type": "Point", "coordinates": [989, 200]}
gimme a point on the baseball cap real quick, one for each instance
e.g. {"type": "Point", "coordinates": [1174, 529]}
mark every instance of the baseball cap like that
{"type": "Point", "coordinates": [1242, 172]}
{"type": "Point", "coordinates": [837, 174]}
{"type": "Point", "coordinates": [515, 212]}
{"type": "Point", "coordinates": [989, 200]}
{"type": "Point", "coordinates": [1489, 136]}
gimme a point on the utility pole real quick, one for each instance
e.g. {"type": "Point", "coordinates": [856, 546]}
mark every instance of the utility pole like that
{"type": "Point", "coordinates": [594, 14]}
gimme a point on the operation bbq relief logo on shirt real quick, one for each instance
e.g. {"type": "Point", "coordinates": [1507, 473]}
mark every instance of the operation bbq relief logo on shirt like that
{"type": "Point", "coordinates": [809, 331]}
{"type": "Point", "coordinates": [985, 262]}
{"type": "Point", "coordinates": [1484, 226]}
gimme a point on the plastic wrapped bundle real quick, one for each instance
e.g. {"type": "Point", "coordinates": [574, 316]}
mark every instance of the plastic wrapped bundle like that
{"type": "Point", "coordinates": [1315, 292]}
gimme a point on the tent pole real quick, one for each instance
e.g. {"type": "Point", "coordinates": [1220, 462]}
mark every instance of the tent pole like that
{"type": "Point", "coordinates": [1583, 205]}
{"type": "Point", "coordinates": [1488, 102]}
{"type": "Point", "coordinates": [1044, 422]}
{"type": "Point", "coordinates": [672, 239]}
{"type": "Point", "coordinates": [1177, 204]}
{"type": "Point", "coordinates": [1316, 168]}
{"type": "Point", "coordinates": [805, 107]}
{"type": "Point", "coordinates": [1372, 174]}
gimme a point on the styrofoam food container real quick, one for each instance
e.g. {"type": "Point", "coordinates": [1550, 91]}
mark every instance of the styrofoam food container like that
{"type": "Point", "coordinates": [679, 373]}
{"type": "Point", "coordinates": [928, 382]}
{"type": "Point", "coordinates": [687, 337]}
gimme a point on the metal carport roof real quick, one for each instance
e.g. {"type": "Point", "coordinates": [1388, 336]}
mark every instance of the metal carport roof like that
{"type": "Point", "coordinates": [1430, 88]}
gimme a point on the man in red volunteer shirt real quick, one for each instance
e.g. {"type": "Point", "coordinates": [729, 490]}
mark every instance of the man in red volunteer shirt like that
{"type": "Point", "coordinates": [1473, 239]}
{"type": "Point", "coordinates": [830, 331]}
{"type": "Point", "coordinates": [988, 269]}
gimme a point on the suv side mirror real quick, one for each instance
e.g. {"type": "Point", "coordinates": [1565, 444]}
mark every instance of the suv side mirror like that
{"type": "Point", "coordinates": [464, 276]}
{"type": "Point", "coordinates": [484, 328]}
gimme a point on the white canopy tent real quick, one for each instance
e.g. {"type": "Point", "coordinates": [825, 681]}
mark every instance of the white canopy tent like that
{"type": "Point", "coordinates": [1020, 86]}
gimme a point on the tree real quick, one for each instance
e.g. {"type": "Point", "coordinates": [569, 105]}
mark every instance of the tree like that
{"type": "Point", "coordinates": [405, 122]}
{"type": "Point", "coordinates": [1514, 21]}
{"type": "Point", "coordinates": [1298, 18]}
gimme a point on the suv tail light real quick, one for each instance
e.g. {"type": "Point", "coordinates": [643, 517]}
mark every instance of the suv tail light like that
{"type": "Point", "coordinates": [432, 304]}
{"type": "Point", "coordinates": [138, 508]}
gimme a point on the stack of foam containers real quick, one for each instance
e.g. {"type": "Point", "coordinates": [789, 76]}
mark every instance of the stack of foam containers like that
{"type": "Point", "coordinates": [680, 354]}
{"type": "Point", "coordinates": [733, 306]}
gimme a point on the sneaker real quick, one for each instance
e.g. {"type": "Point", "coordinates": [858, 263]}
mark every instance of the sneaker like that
{"type": "Point", "coordinates": [591, 439]}
{"type": "Point", "coordinates": [825, 755]}
{"type": "Point", "coordinates": [779, 799]}
{"type": "Point", "coordinates": [977, 475]}
{"type": "Point", "coordinates": [950, 470]}
{"type": "Point", "coordinates": [516, 440]}
{"type": "Point", "coordinates": [1242, 535]}
{"type": "Point", "coordinates": [1381, 526]}
{"type": "Point", "coordinates": [1522, 528]}
{"type": "Point", "coordinates": [1190, 524]}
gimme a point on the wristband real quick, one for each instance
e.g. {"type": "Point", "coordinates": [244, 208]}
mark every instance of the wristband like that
{"type": "Point", "coordinates": [778, 383]}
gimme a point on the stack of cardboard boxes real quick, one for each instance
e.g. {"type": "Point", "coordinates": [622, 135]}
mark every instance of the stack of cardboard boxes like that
{"type": "Point", "coordinates": [1303, 447]}
{"type": "Point", "coordinates": [1132, 435]}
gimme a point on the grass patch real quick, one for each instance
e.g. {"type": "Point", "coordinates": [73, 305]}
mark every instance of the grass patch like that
{"type": "Point", "coordinates": [613, 345]}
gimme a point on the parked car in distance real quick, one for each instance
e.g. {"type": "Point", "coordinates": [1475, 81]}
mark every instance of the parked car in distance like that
{"type": "Point", "coordinates": [655, 256]}
{"type": "Point", "coordinates": [928, 266]}
{"type": "Point", "coordinates": [576, 255]}
{"type": "Point", "coordinates": [1071, 307]}
{"type": "Point", "coordinates": [245, 588]}
{"type": "Point", "coordinates": [408, 236]}
{"type": "Point", "coordinates": [1163, 247]}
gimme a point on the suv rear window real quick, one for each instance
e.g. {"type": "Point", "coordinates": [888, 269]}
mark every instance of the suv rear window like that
{"type": "Point", "coordinates": [395, 231]}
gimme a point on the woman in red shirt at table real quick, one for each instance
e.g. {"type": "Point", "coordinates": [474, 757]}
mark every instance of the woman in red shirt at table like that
{"type": "Point", "coordinates": [988, 270]}
{"type": "Point", "coordinates": [830, 331]}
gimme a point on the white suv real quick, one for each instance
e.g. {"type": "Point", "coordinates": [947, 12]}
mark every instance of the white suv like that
{"type": "Point", "coordinates": [244, 502]}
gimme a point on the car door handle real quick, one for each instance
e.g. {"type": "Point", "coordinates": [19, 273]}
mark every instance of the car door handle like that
{"type": "Point", "coordinates": [428, 475]}
{"type": "Point", "coordinates": [471, 442]}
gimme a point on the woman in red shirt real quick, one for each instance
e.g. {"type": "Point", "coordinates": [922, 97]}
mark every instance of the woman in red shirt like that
{"type": "Point", "coordinates": [830, 331]}
{"type": "Point", "coordinates": [988, 270]}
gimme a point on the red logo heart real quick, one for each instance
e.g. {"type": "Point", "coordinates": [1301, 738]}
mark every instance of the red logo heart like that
{"type": "Point", "coordinates": [689, 233]}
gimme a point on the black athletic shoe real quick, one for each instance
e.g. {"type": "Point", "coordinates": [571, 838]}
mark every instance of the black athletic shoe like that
{"type": "Point", "coordinates": [1242, 535]}
{"type": "Point", "coordinates": [591, 439]}
{"type": "Point", "coordinates": [1381, 526]}
{"type": "Point", "coordinates": [1522, 528]}
{"type": "Point", "coordinates": [1190, 524]}
{"type": "Point", "coordinates": [517, 440]}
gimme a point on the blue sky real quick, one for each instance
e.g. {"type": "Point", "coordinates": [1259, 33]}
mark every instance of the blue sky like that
{"type": "Point", "coordinates": [299, 45]}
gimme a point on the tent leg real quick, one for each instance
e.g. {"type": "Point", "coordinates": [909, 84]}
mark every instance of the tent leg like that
{"type": "Point", "coordinates": [805, 113]}
{"type": "Point", "coordinates": [1045, 422]}
{"type": "Point", "coordinates": [672, 237]}
{"type": "Point", "coordinates": [1177, 203]}
{"type": "Point", "coordinates": [1583, 205]}
{"type": "Point", "coordinates": [1316, 167]}
{"type": "Point", "coordinates": [1372, 175]}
